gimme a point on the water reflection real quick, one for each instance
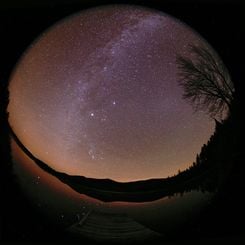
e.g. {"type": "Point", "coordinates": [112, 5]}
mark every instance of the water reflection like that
{"type": "Point", "coordinates": [65, 207]}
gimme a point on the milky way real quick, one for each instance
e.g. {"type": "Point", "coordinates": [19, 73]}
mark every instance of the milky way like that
{"type": "Point", "coordinates": [97, 95]}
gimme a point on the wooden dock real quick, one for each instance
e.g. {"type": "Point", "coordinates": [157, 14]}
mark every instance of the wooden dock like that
{"type": "Point", "coordinates": [111, 227]}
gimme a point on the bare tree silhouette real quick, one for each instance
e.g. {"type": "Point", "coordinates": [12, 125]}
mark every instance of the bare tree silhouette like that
{"type": "Point", "coordinates": [206, 81]}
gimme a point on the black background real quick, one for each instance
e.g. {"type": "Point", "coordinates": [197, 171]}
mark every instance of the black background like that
{"type": "Point", "coordinates": [221, 23]}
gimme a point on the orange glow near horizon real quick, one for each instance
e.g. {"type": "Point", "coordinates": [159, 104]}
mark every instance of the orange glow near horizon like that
{"type": "Point", "coordinates": [97, 95]}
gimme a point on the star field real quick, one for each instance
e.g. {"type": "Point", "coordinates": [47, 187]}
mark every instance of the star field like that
{"type": "Point", "coordinates": [97, 95]}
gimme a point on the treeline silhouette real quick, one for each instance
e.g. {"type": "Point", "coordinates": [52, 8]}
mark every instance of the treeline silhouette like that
{"type": "Point", "coordinates": [223, 159]}
{"type": "Point", "coordinates": [215, 160]}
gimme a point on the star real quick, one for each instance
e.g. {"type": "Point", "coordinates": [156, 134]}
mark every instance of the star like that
{"type": "Point", "coordinates": [98, 95]}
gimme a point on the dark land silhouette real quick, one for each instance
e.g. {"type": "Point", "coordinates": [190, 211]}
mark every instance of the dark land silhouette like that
{"type": "Point", "coordinates": [207, 173]}
{"type": "Point", "coordinates": [137, 191]}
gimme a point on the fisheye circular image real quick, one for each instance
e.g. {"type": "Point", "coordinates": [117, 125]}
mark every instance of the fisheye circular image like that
{"type": "Point", "coordinates": [110, 112]}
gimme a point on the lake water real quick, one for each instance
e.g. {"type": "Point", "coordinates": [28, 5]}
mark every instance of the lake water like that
{"type": "Point", "coordinates": [64, 206]}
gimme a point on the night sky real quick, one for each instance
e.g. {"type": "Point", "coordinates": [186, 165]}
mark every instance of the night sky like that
{"type": "Point", "coordinates": [97, 95]}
